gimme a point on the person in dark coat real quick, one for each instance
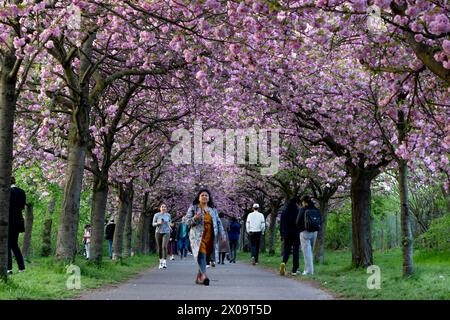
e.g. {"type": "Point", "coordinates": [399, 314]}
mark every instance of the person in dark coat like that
{"type": "Point", "coordinates": [16, 225]}
{"type": "Point", "coordinates": [233, 236]}
{"type": "Point", "coordinates": [109, 235]}
{"type": "Point", "coordinates": [290, 234]}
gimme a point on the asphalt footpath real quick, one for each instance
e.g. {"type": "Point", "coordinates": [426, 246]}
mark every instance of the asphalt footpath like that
{"type": "Point", "coordinates": [235, 281]}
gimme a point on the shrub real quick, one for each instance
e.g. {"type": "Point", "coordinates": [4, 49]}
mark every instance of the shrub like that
{"type": "Point", "coordinates": [438, 235]}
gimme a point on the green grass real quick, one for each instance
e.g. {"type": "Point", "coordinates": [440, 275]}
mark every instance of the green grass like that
{"type": "Point", "coordinates": [46, 279]}
{"type": "Point", "coordinates": [430, 281]}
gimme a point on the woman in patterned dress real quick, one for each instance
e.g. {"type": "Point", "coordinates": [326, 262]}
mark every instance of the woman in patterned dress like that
{"type": "Point", "coordinates": [206, 228]}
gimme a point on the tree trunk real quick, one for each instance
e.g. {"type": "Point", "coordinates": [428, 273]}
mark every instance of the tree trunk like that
{"type": "Point", "coordinates": [124, 197]}
{"type": "Point", "coordinates": [382, 233]}
{"type": "Point", "coordinates": [405, 214]}
{"type": "Point", "coordinates": [128, 225]}
{"type": "Point", "coordinates": [8, 100]}
{"type": "Point", "coordinates": [46, 248]}
{"type": "Point", "coordinates": [245, 240]}
{"type": "Point", "coordinates": [66, 244]}
{"type": "Point", "coordinates": [262, 247]}
{"type": "Point", "coordinates": [142, 228]}
{"type": "Point", "coordinates": [407, 238]}
{"type": "Point", "coordinates": [98, 211]}
{"type": "Point", "coordinates": [272, 231]}
{"type": "Point", "coordinates": [361, 224]}
{"type": "Point", "coordinates": [29, 217]}
{"type": "Point", "coordinates": [151, 235]}
{"type": "Point", "coordinates": [320, 243]}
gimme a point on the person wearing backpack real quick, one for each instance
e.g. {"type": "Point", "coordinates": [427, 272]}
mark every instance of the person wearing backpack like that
{"type": "Point", "coordinates": [308, 221]}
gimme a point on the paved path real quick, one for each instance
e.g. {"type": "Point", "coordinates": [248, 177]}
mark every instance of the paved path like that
{"type": "Point", "coordinates": [228, 281]}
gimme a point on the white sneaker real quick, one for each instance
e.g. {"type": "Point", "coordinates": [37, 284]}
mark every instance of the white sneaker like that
{"type": "Point", "coordinates": [172, 258]}
{"type": "Point", "coordinates": [164, 263]}
{"type": "Point", "coordinates": [160, 264]}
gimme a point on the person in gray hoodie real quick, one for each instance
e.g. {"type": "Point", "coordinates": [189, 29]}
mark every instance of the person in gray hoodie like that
{"type": "Point", "coordinates": [162, 221]}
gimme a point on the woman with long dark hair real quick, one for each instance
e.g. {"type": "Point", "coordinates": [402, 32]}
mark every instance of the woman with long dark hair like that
{"type": "Point", "coordinates": [206, 227]}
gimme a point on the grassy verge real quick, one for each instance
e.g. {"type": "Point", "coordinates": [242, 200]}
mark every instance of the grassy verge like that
{"type": "Point", "coordinates": [46, 279]}
{"type": "Point", "coordinates": [431, 279]}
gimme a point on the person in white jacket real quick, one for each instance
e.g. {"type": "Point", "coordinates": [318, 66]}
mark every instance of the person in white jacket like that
{"type": "Point", "coordinates": [255, 226]}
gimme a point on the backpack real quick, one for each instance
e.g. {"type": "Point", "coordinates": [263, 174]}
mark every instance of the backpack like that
{"type": "Point", "coordinates": [312, 220]}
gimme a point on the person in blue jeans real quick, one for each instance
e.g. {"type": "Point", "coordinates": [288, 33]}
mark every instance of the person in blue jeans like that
{"type": "Point", "coordinates": [183, 239]}
{"type": "Point", "coordinates": [109, 235]}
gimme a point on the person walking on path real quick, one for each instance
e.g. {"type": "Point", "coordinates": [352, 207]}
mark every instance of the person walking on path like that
{"type": "Point", "coordinates": [183, 239]}
{"type": "Point", "coordinates": [308, 233]}
{"type": "Point", "coordinates": [162, 220]}
{"type": "Point", "coordinates": [255, 225]}
{"type": "Point", "coordinates": [16, 225]}
{"type": "Point", "coordinates": [87, 240]}
{"type": "Point", "coordinates": [290, 235]}
{"type": "Point", "coordinates": [109, 235]}
{"type": "Point", "coordinates": [205, 226]}
{"type": "Point", "coordinates": [233, 236]}
{"type": "Point", "coordinates": [173, 241]}
{"type": "Point", "coordinates": [224, 246]}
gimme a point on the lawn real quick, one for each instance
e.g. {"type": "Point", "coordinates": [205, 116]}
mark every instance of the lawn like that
{"type": "Point", "coordinates": [430, 281]}
{"type": "Point", "coordinates": [46, 279]}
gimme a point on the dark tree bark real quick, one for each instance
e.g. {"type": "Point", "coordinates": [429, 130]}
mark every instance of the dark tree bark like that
{"type": "Point", "coordinates": [272, 231]}
{"type": "Point", "coordinates": [99, 200]}
{"type": "Point", "coordinates": [142, 230]}
{"type": "Point", "coordinates": [29, 218]}
{"type": "Point", "coordinates": [151, 235]}
{"type": "Point", "coordinates": [124, 199]}
{"type": "Point", "coordinates": [244, 238]}
{"type": "Point", "coordinates": [321, 235]}
{"type": "Point", "coordinates": [8, 98]}
{"type": "Point", "coordinates": [46, 248]}
{"type": "Point", "coordinates": [128, 224]}
{"type": "Point", "coordinates": [361, 195]}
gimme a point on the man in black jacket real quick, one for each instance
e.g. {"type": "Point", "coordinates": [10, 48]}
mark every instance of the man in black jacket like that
{"type": "Point", "coordinates": [109, 235]}
{"type": "Point", "coordinates": [16, 225]}
{"type": "Point", "coordinates": [290, 235]}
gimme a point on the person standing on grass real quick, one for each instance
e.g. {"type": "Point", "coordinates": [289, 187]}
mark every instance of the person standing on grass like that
{"type": "Point", "coordinates": [17, 201]}
{"type": "Point", "coordinates": [87, 240]}
{"type": "Point", "coordinates": [233, 235]}
{"type": "Point", "coordinates": [161, 221]}
{"type": "Point", "coordinates": [308, 232]}
{"type": "Point", "coordinates": [206, 227]}
{"type": "Point", "coordinates": [109, 235]}
{"type": "Point", "coordinates": [290, 235]}
{"type": "Point", "coordinates": [256, 225]}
